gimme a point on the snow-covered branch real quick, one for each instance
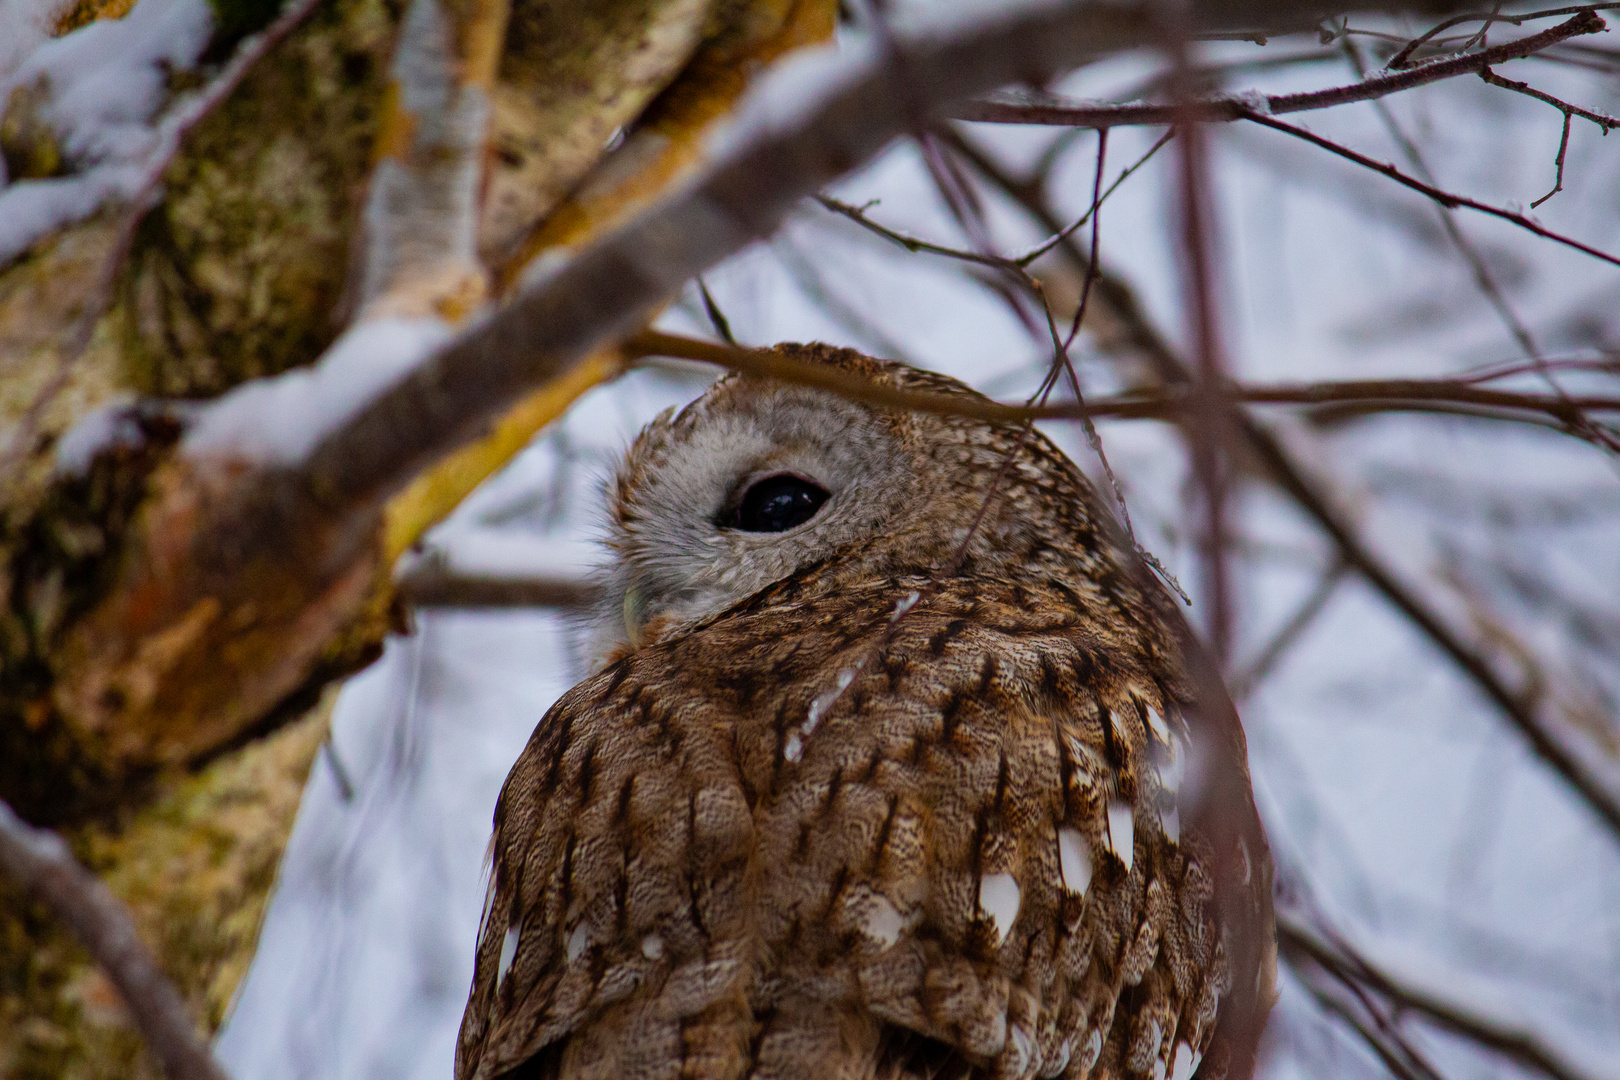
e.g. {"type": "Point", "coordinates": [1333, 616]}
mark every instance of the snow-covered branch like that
{"type": "Point", "coordinates": [811, 121]}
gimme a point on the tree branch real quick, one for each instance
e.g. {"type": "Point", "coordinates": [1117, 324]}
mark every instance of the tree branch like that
{"type": "Point", "coordinates": [1371, 395]}
{"type": "Point", "coordinates": [1444, 198]}
{"type": "Point", "coordinates": [783, 147]}
{"type": "Point", "coordinates": [432, 585]}
{"type": "Point", "coordinates": [39, 861]}
{"type": "Point", "coordinates": [1301, 947]}
{"type": "Point", "coordinates": [1055, 111]}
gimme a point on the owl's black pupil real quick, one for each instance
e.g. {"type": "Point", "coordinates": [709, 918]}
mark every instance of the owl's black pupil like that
{"type": "Point", "coordinates": [777, 504]}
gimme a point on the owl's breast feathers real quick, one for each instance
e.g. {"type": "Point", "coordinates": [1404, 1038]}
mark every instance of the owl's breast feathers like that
{"type": "Point", "coordinates": [809, 839]}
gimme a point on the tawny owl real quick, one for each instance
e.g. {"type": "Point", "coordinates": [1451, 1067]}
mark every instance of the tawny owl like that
{"type": "Point", "coordinates": [902, 768]}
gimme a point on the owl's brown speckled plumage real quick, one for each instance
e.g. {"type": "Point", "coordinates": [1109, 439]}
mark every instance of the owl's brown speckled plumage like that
{"type": "Point", "coordinates": [844, 807]}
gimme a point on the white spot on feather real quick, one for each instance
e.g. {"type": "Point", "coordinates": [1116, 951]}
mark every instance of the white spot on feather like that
{"type": "Point", "coordinates": [1059, 1059]}
{"type": "Point", "coordinates": [1171, 820]}
{"type": "Point", "coordinates": [793, 749]}
{"type": "Point", "coordinates": [1074, 860]}
{"type": "Point", "coordinates": [652, 947]}
{"type": "Point", "coordinates": [577, 942]}
{"type": "Point", "coordinates": [882, 922]}
{"type": "Point", "coordinates": [1091, 1051]}
{"type": "Point", "coordinates": [906, 603]}
{"type": "Point", "coordinates": [509, 945]}
{"type": "Point", "coordinates": [1161, 730]}
{"type": "Point", "coordinates": [823, 702]}
{"type": "Point", "coordinates": [1248, 866]}
{"type": "Point", "coordinates": [1185, 1062]}
{"type": "Point", "coordinates": [999, 899]}
{"type": "Point", "coordinates": [1021, 1053]}
{"type": "Point", "coordinates": [1173, 766]}
{"type": "Point", "coordinates": [1122, 832]}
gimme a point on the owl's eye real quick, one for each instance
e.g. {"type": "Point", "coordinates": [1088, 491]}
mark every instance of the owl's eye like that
{"type": "Point", "coordinates": [776, 504]}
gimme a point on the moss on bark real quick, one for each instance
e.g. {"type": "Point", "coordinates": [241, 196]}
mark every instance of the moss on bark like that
{"type": "Point", "coordinates": [196, 866]}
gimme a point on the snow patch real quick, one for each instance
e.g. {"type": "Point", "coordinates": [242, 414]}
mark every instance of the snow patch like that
{"type": "Point", "coordinates": [106, 81]}
{"type": "Point", "coordinates": [108, 427]}
{"type": "Point", "coordinates": [24, 26]}
{"type": "Point", "coordinates": [280, 420]}
{"type": "Point", "coordinates": [793, 91]}
{"type": "Point", "coordinates": [1252, 100]}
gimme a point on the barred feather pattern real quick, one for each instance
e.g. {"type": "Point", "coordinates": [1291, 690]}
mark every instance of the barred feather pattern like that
{"type": "Point", "coordinates": [880, 820]}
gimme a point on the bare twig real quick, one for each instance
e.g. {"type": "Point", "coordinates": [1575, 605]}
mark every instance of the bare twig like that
{"type": "Point", "coordinates": [1558, 163]}
{"type": "Point", "coordinates": [1245, 681]}
{"type": "Point", "coordinates": [1052, 110]}
{"type": "Point", "coordinates": [1606, 123]}
{"type": "Point", "coordinates": [1302, 947]}
{"type": "Point", "coordinates": [717, 318]}
{"type": "Point", "coordinates": [1483, 276]}
{"type": "Point", "coordinates": [40, 862]}
{"type": "Point", "coordinates": [1371, 395]}
{"type": "Point", "coordinates": [1482, 36]}
{"type": "Point", "coordinates": [1207, 422]}
{"type": "Point", "coordinates": [432, 585]}
{"type": "Point", "coordinates": [1444, 198]}
{"type": "Point", "coordinates": [1399, 60]}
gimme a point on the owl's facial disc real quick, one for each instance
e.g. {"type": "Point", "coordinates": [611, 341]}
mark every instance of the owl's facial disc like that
{"type": "Point", "coordinates": [741, 491]}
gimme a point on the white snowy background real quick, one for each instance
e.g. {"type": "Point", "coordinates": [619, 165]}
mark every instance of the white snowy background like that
{"type": "Point", "coordinates": [1423, 827]}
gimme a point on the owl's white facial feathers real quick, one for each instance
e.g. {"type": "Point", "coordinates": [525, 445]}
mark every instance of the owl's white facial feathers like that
{"type": "Point", "coordinates": [677, 564]}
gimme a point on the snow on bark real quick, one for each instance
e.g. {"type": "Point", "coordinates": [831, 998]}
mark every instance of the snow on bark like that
{"type": "Point", "coordinates": [106, 82]}
{"type": "Point", "coordinates": [279, 421]}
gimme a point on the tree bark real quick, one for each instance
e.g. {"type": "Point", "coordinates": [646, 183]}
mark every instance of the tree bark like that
{"type": "Point", "coordinates": [175, 771]}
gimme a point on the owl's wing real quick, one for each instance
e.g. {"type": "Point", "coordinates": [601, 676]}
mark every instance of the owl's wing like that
{"type": "Point", "coordinates": [614, 936]}
{"type": "Point", "coordinates": [980, 848]}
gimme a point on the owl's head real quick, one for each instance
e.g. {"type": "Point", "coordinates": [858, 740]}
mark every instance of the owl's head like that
{"type": "Point", "coordinates": [758, 480]}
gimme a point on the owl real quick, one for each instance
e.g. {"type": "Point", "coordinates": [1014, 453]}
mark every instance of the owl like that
{"type": "Point", "coordinates": [899, 767]}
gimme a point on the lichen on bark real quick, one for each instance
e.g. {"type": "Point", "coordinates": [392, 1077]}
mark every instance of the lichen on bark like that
{"type": "Point", "coordinates": [241, 271]}
{"type": "Point", "coordinates": [196, 866]}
